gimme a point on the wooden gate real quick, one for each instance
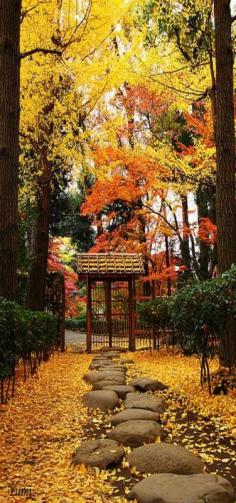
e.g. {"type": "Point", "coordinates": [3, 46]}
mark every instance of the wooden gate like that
{"type": "Point", "coordinates": [110, 323]}
{"type": "Point", "coordinates": [110, 297]}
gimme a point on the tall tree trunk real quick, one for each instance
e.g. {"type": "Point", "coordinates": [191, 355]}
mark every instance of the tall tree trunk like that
{"type": "Point", "coordinates": [225, 159]}
{"type": "Point", "coordinates": [36, 285]}
{"type": "Point", "coordinates": [225, 138]}
{"type": "Point", "coordinates": [185, 248]}
{"type": "Point", "coordinates": [168, 264]}
{"type": "Point", "coordinates": [139, 203]}
{"type": "Point", "coordinates": [10, 12]}
{"type": "Point", "coordinates": [202, 200]}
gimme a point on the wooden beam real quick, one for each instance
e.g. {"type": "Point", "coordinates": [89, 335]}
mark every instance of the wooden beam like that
{"type": "Point", "coordinates": [131, 284]}
{"type": "Point", "coordinates": [89, 316]}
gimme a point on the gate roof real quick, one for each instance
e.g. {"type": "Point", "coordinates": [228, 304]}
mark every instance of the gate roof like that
{"type": "Point", "coordinates": [106, 264]}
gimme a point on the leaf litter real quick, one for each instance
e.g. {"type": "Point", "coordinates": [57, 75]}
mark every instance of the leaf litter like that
{"type": "Point", "coordinates": [43, 425]}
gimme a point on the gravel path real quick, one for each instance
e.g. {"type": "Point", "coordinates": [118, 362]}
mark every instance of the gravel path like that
{"type": "Point", "coordinates": [75, 339]}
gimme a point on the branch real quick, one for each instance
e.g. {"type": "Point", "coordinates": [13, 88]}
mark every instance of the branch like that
{"type": "Point", "coordinates": [41, 50]}
{"type": "Point", "coordinates": [72, 39]}
{"type": "Point", "coordinates": [27, 11]}
{"type": "Point", "coordinates": [176, 230]}
{"type": "Point", "coordinates": [233, 18]}
{"type": "Point", "coordinates": [98, 47]}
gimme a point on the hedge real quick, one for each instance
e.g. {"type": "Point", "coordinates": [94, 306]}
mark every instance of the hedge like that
{"type": "Point", "coordinates": [23, 333]}
{"type": "Point", "coordinates": [76, 323]}
{"type": "Point", "coordinates": [199, 314]}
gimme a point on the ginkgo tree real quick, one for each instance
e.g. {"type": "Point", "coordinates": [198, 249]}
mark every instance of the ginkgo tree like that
{"type": "Point", "coordinates": [64, 73]}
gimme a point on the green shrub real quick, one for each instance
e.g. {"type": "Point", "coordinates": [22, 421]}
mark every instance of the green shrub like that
{"type": "Point", "coordinates": [202, 310]}
{"type": "Point", "coordinates": [23, 332]}
{"type": "Point", "coordinates": [76, 324]}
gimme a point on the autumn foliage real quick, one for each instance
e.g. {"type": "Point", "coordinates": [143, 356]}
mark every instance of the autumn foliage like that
{"type": "Point", "coordinates": [56, 264]}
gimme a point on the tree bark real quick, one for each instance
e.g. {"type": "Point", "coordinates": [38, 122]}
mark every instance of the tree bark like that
{"type": "Point", "coordinates": [10, 12]}
{"type": "Point", "coordinates": [225, 159]}
{"type": "Point", "coordinates": [225, 138]}
{"type": "Point", "coordinates": [185, 248]}
{"type": "Point", "coordinates": [202, 200]}
{"type": "Point", "coordinates": [36, 285]}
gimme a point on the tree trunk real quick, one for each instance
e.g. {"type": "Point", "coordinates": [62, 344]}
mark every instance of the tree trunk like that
{"type": "Point", "coordinates": [225, 158]}
{"type": "Point", "coordinates": [185, 248]}
{"type": "Point", "coordinates": [10, 12]}
{"type": "Point", "coordinates": [225, 138]}
{"type": "Point", "coordinates": [202, 200]}
{"type": "Point", "coordinates": [36, 285]}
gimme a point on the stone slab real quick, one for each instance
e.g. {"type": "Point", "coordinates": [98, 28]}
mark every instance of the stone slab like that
{"type": "Point", "coordinates": [133, 414]}
{"type": "Point", "coordinates": [165, 458]}
{"type": "Point", "coordinates": [103, 400]}
{"type": "Point", "coordinates": [96, 375]}
{"type": "Point", "coordinates": [121, 390]}
{"type": "Point", "coordinates": [148, 402]}
{"type": "Point", "coordinates": [102, 453]}
{"type": "Point", "coordinates": [135, 433]}
{"type": "Point", "coordinates": [171, 488]}
{"type": "Point", "coordinates": [147, 384]}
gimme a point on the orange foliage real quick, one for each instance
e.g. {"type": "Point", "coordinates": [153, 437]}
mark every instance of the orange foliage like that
{"type": "Point", "coordinates": [201, 124]}
{"type": "Point", "coordinates": [71, 290]}
{"type": "Point", "coordinates": [207, 231]}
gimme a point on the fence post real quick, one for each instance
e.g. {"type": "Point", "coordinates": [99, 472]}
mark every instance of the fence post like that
{"type": "Point", "coordinates": [131, 284]}
{"type": "Point", "coordinates": [89, 316]}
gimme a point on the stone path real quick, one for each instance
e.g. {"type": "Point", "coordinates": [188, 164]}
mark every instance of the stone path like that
{"type": "Point", "coordinates": [75, 341]}
{"type": "Point", "coordinates": [177, 475]}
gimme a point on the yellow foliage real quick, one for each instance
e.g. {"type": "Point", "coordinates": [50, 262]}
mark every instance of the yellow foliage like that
{"type": "Point", "coordinates": [182, 374]}
{"type": "Point", "coordinates": [40, 429]}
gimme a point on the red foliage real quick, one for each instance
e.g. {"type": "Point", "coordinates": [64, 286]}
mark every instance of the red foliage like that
{"type": "Point", "coordinates": [70, 277]}
{"type": "Point", "coordinates": [207, 231]}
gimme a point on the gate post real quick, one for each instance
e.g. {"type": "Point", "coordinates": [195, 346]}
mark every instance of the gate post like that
{"type": "Point", "coordinates": [89, 316]}
{"type": "Point", "coordinates": [107, 286]}
{"type": "Point", "coordinates": [131, 284]}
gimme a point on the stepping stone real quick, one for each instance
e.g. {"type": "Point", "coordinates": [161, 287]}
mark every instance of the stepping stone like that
{"type": "Point", "coordinates": [108, 382]}
{"type": "Point", "coordinates": [112, 365]}
{"type": "Point", "coordinates": [137, 401]}
{"type": "Point", "coordinates": [147, 384]}
{"type": "Point", "coordinates": [132, 414]}
{"type": "Point", "coordinates": [127, 361]}
{"type": "Point", "coordinates": [103, 400]}
{"type": "Point", "coordinates": [111, 354]}
{"type": "Point", "coordinates": [97, 365]}
{"type": "Point", "coordinates": [104, 366]}
{"type": "Point", "coordinates": [111, 369]}
{"type": "Point", "coordinates": [100, 357]}
{"type": "Point", "coordinates": [99, 376]}
{"type": "Point", "coordinates": [171, 488]}
{"type": "Point", "coordinates": [135, 433]}
{"type": "Point", "coordinates": [114, 349]}
{"type": "Point", "coordinates": [165, 458]}
{"type": "Point", "coordinates": [102, 453]}
{"type": "Point", "coordinates": [120, 390]}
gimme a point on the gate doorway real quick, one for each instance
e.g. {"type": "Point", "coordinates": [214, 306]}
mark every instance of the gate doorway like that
{"type": "Point", "coordinates": [111, 322]}
{"type": "Point", "coordinates": [111, 310]}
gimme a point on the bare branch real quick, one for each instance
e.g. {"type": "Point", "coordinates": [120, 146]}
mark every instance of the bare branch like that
{"type": "Point", "coordinates": [98, 47]}
{"type": "Point", "coordinates": [41, 50]}
{"type": "Point", "coordinates": [24, 13]}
